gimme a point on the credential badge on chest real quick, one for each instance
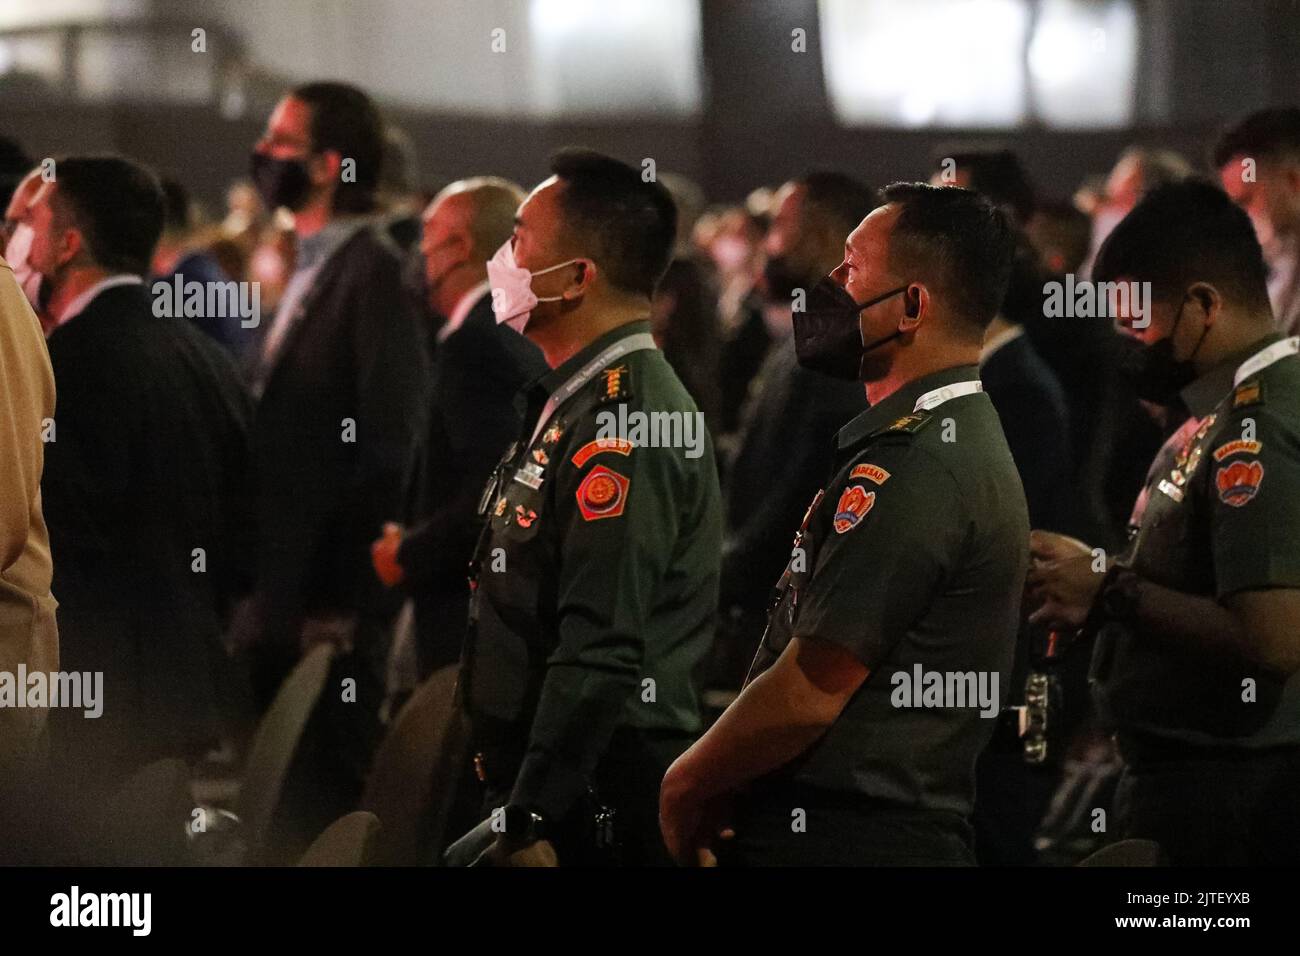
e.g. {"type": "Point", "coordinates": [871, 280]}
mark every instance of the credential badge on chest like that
{"type": "Point", "coordinates": [530, 475]}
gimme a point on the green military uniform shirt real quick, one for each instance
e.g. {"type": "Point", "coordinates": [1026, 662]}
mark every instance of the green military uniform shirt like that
{"type": "Point", "coordinates": [598, 571]}
{"type": "Point", "coordinates": [914, 556]}
{"type": "Point", "coordinates": [1220, 514]}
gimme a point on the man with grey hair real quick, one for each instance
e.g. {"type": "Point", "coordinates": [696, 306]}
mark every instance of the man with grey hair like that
{"type": "Point", "coordinates": [478, 367]}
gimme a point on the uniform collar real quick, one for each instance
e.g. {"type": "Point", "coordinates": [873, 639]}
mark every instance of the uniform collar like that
{"type": "Point", "coordinates": [1206, 392]}
{"type": "Point", "coordinates": [900, 403]}
{"type": "Point", "coordinates": [556, 377]}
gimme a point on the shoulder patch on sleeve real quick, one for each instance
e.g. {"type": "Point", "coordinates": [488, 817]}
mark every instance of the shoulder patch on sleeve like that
{"type": "Point", "coordinates": [1239, 482]}
{"type": "Point", "coordinates": [907, 425]}
{"type": "Point", "coordinates": [588, 451]}
{"type": "Point", "coordinates": [1248, 393]}
{"type": "Point", "coordinates": [872, 472]}
{"type": "Point", "coordinates": [602, 494]}
{"type": "Point", "coordinates": [855, 501]}
{"type": "Point", "coordinates": [614, 383]}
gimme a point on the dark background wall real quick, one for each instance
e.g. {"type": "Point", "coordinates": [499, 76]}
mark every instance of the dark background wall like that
{"type": "Point", "coordinates": [766, 114]}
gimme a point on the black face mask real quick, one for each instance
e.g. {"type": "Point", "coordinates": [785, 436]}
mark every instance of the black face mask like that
{"type": "Point", "coordinates": [1153, 371]}
{"type": "Point", "coordinates": [280, 182]}
{"type": "Point", "coordinates": [828, 334]}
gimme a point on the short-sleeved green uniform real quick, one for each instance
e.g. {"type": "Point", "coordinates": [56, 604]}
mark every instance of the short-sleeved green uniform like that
{"type": "Point", "coordinates": [912, 559]}
{"type": "Point", "coordinates": [1211, 740]}
{"type": "Point", "coordinates": [1220, 514]}
{"type": "Point", "coordinates": [596, 586]}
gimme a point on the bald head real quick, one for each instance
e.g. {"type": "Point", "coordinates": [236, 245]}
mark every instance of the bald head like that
{"type": "Point", "coordinates": [463, 226]}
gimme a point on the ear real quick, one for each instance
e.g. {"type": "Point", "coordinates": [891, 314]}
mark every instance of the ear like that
{"type": "Point", "coordinates": [70, 246]}
{"type": "Point", "coordinates": [584, 277]}
{"type": "Point", "coordinates": [1208, 299]}
{"type": "Point", "coordinates": [916, 306]}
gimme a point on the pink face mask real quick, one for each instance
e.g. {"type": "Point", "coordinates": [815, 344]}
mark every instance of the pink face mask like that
{"type": "Point", "coordinates": [16, 253]}
{"type": "Point", "coordinates": [513, 298]}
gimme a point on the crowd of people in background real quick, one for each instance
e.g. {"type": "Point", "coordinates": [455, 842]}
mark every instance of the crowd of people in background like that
{"type": "Point", "coordinates": [325, 463]}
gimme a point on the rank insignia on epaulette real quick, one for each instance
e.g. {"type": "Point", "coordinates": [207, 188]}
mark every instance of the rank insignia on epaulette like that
{"type": "Point", "coordinates": [552, 434]}
{"type": "Point", "coordinates": [907, 425]}
{"type": "Point", "coordinates": [500, 509]}
{"type": "Point", "coordinates": [1248, 393]}
{"type": "Point", "coordinates": [615, 383]}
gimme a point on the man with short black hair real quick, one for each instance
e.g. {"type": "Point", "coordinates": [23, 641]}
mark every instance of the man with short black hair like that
{"type": "Point", "coordinates": [783, 445]}
{"type": "Point", "coordinates": [905, 573]}
{"type": "Point", "coordinates": [1196, 658]}
{"type": "Point", "coordinates": [596, 575]}
{"type": "Point", "coordinates": [144, 477]}
{"type": "Point", "coordinates": [1258, 161]}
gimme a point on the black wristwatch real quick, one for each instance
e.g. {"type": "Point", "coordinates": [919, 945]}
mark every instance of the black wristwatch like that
{"type": "Point", "coordinates": [523, 826]}
{"type": "Point", "coordinates": [1120, 595]}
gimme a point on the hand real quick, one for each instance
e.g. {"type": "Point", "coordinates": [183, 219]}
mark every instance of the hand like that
{"type": "Point", "coordinates": [503, 853]}
{"type": "Point", "coordinates": [1063, 580]}
{"type": "Point", "coordinates": [383, 555]}
{"type": "Point", "coordinates": [691, 827]}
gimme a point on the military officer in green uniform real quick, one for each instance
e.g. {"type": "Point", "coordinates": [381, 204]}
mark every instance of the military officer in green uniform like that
{"type": "Point", "coordinates": [596, 576]}
{"type": "Point", "coordinates": [883, 668]}
{"type": "Point", "coordinates": [1197, 623]}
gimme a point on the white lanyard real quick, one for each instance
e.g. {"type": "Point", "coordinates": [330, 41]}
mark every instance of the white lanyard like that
{"type": "Point", "coordinates": [1266, 357]}
{"type": "Point", "coordinates": [936, 397]}
{"type": "Point", "coordinates": [632, 343]}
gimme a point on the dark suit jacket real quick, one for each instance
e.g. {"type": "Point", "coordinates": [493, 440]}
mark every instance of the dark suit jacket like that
{"type": "Point", "coordinates": [336, 419]}
{"type": "Point", "coordinates": [472, 419]}
{"type": "Point", "coordinates": [786, 439]}
{"type": "Point", "coordinates": [148, 463]}
{"type": "Point", "coordinates": [1031, 405]}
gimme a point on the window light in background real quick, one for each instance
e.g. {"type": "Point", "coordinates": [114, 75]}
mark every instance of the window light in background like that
{"type": "Point", "coordinates": [598, 56]}
{"type": "Point", "coordinates": [1082, 61]}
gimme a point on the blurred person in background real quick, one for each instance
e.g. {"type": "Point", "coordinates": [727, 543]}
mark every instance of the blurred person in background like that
{"type": "Point", "coordinates": [994, 172]}
{"type": "Point", "coordinates": [736, 250]}
{"type": "Point", "coordinates": [478, 368]}
{"type": "Point", "coordinates": [338, 373]}
{"type": "Point", "coordinates": [397, 196]}
{"type": "Point", "coordinates": [1258, 161]}
{"type": "Point", "coordinates": [145, 480]}
{"type": "Point", "coordinates": [182, 253]}
{"type": "Point", "coordinates": [791, 414]}
{"type": "Point", "coordinates": [1059, 233]}
{"type": "Point", "coordinates": [1137, 171]}
{"type": "Point", "coordinates": [683, 313]}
